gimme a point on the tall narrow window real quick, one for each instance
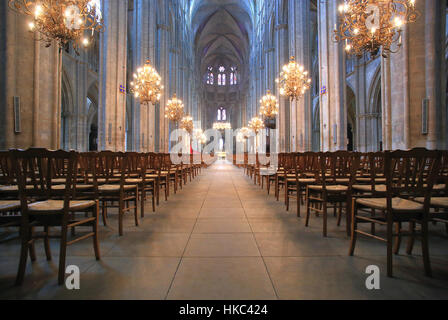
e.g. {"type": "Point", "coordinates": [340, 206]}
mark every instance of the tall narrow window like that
{"type": "Point", "coordinates": [222, 114]}
{"type": "Point", "coordinates": [233, 79]}
{"type": "Point", "coordinates": [210, 76]}
{"type": "Point", "coordinates": [222, 76]}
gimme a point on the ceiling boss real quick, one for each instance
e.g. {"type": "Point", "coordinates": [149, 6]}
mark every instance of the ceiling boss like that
{"type": "Point", "coordinates": [65, 21]}
{"type": "Point", "coordinates": [369, 25]}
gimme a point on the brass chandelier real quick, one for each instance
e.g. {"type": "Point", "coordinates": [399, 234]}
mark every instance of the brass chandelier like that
{"type": "Point", "coordinates": [174, 109]}
{"type": "Point", "coordinates": [256, 124]}
{"type": "Point", "coordinates": [187, 124]}
{"type": "Point", "coordinates": [293, 81]}
{"type": "Point", "coordinates": [369, 25]}
{"type": "Point", "coordinates": [222, 126]}
{"type": "Point", "coordinates": [200, 136]}
{"type": "Point", "coordinates": [269, 106]}
{"type": "Point", "coordinates": [66, 21]}
{"type": "Point", "coordinates": [243, 134]}
{"type": "Point", "coordinates": [147, 84]}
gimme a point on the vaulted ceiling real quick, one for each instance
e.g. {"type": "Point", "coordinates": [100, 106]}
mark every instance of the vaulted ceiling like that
{"type": "Point", "coordinates": [222, 31]}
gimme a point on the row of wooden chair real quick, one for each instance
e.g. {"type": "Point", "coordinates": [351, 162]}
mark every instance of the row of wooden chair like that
{"type": "Point", "coordinates": [384, 188]}
{"type": "Point", "coordinates": [46, 189]}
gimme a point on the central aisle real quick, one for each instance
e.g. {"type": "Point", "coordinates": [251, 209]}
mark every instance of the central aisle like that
{"type": "Point", "coordinates": [222, 258]}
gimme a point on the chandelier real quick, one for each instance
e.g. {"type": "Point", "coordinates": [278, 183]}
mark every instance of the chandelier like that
{"type": "Point", "coordinates": [293, 81]}
{"type": "Point", "coordinates": [269, 106]}
{"type": "Point", "coordinates": [369, 25]}
{"type": "Point", "coordinates": [222, 126]}
{"type": "Point", "coordinates": [174, 109]}
{"type": "Point", "coordinates": [187, 124]}
{"type": "Point", "coordinates": [243, 134]}
{"type": "Point", "coordinates": [147, 84]}
{"type": "Point", "coordinates": [200, 136]}
{"type": "Point", "coordinates": [66, 21]}
{"type": "Point", "coordinates": [256, 124]}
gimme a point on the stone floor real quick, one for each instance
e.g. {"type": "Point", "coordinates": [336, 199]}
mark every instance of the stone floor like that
{"type": "Point", "coordinates": [224, 238]}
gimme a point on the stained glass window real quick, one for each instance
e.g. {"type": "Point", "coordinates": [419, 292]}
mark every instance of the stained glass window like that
{"type": "Point", "coordinates": [222, 114]}
{"type": "Point", "coordinates": [233, 79]}
{"type": "Point", "coordinates": [222, 76]}
{"type": "Point", "coordinates": [210, 76]}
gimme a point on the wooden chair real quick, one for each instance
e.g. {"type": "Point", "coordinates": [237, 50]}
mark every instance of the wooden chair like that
{"type": "Point", "coordinates": [279, 177]}
{"type": "Point", "coordinates": [8, 182]}
{"type": "Point", "coordinates": [332, 187]}
{"type": "Point", "coordinates": [439, 201]}
{"type": "Point", "coordinates": [409, 175]}
{"type": "Point", "coordinates": [172, 173]}
{"type": "Point", "coordinates": [38, 166]}
{"type": "Point", "coordinates": [155, 170]}
{"type": "Point", "coordinates": [302, 174]}
{"type": "Point", "coordinates": [109, 180]}
{"type": "Point", "coordinates": [135, 174]}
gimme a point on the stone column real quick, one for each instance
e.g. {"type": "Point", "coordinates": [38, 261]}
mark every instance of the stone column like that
{"type": "Point", "coordinates": [144, 49]}
{"type": "Point", "coordinates": [113, 56]}
{"type": "Point", "coordinates": [31, 72]}
{"type": "Point", "coordinates": [163, 53]}
{"type": "Point", "coordinates": [332, 76]}
{"type": "Point", "coordinates": [282, 44]}
{"type": "Point", "coordinates": [300, 47]}
{"type": "Point", "coordinates": [416, 78]}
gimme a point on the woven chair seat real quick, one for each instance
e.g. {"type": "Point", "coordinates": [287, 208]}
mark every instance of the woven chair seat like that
{"type": "Point", "coordinates": [104, 180]}
{"type": "Point", "coordinates": [368, 187]}
{"type": "Point", "coordinates": [58, 180]}
{"type": "Point", "coordinates": [303, 180]}
{"type": "Point", "coordinates": [58, 205]}
{"type": "Point", "coordinates": [13, 188]}
{"type": "Point", "coordinates": [441, 202]}
{"type": "Point", "coordinates": [114, 188]}
{"type": "Point", "coordinates": [398, 204]}
{"type": "Point", "coordinates": [78, 187]}
{"type": "Point", "coordinates": [9, 205]}
{"type": "Point", "coordinates": [365, 179]}
{"type": "Point", "coordinates": [133, 181]}
{"type": "Point", "coordinates": [331, 188]}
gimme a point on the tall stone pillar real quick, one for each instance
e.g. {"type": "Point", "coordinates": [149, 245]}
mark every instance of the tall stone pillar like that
{"type": "Point", "coordinates": [300, 47]}
{"type": "Point", "coordinates": [31, 73]}
{"type": "Point", "coordinates": [113, 57]}
{"type": "Point", "coordinates": [144, 32]}
{"type": "Point", "coordinates": [332, 77]}
{"type": "Point", "coordinates": [415, 82]}
{"type": "Point", "coordinates": [163, 53]}
{"type": "Point", "coordinates": [282, 45]}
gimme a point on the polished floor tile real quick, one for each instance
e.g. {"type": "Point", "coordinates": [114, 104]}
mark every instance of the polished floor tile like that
{"type": "Point", "coordinates": [222, 278]}
{"type": "Point", "coordinates": [222, 245]}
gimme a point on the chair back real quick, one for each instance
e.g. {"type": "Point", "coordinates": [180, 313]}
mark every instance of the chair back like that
{"type": "Point", "coordinates": [411, 174]}
{"type": "Point", "coordinates": [6, 170]}
{"type": "Point", "coordinates": [35, 170]}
